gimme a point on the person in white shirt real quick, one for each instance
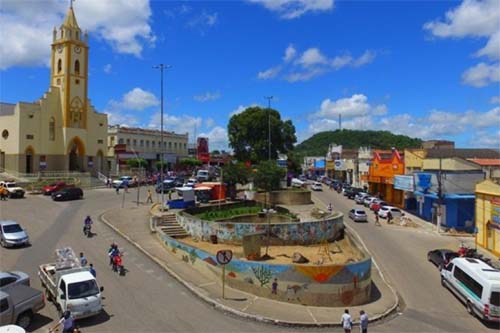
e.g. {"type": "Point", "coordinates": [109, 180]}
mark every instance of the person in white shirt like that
{"type": "Point", "coordinates": [67, 321]}
{"type": "Point", "coordinates": [363, 322]}
{"type": "Point", "coordinates": [346, 321]}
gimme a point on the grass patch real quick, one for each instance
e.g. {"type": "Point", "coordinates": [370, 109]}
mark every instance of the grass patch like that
{"type": "Point", "coordinates": [228, 213]}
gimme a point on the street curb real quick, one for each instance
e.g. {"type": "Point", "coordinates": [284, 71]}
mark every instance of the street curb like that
{"type": "Point", "coordinates": [226, 309]}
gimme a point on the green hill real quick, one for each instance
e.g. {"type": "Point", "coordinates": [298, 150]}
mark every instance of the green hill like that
{"type": "Point", "coordinates": [317, 145]}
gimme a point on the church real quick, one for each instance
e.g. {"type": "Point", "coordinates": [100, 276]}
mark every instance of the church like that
{"type": "Point", "coordinates": [62, 131]}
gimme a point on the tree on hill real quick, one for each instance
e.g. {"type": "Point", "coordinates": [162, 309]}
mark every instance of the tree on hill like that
{"type": "Point", "coordinates": [235, 173]}
{"type": "Point", "coordinates": [353, 139]}
{"type": "Point", "coordinates": [248, 134]}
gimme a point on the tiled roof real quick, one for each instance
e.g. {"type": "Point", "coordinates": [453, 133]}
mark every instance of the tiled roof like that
{"type": "Point", "coordinates": [486, 161]}
{"type": "Point", "coordinates": [466, 153]}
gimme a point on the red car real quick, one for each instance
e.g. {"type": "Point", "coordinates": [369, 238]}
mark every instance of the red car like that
{"type": "Point", "coordinates": [55, 187]}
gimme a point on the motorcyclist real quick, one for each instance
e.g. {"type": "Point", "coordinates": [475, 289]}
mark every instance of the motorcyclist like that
{"type": "Point", "coordinates": [87, 225]}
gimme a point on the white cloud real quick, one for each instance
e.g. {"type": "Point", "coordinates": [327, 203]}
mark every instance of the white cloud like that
{"type": "Point", "coordinates": [473, 18]}
{"type": "Point", "coordinates": [312, 63]}
{"type": "Point", "coordinates": [355, 106]}
{"type": "Point", "coordinates": [291, 9]}
{"type": "Point", "coordinates": [138, 99]}
{"type": "Point", "coordinates": [107, 68]}
{"type": "Point", "coordinates": [290, 53]}
{"type": "Point", "coordinates": [269, 73]}
{"type": "Point", "coordinates": [495, 100]}
{"type": "Point", "coordinates": [203, 21]}
{"type": "Point", "coordinates": [209, 122]}
{"type": "Point", "coordinates": [26, 35]}
{"type": "Point", "coordinates": [487, 139]}
{"type": "Point", "coordinates": [217, 138]}
{"type": "Point", "coordinates": [241, 108]}
{"type": "Point", "coordinates": [482, 75]}
{"type": "Point", "coordinates": [178, 124]}
{"type": "Point", "coordinates": [208, 96]}
{"type": "Point", "coordinates": [379, 110]}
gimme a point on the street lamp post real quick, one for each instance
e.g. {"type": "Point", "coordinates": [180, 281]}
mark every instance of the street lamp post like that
{"type": "Point", "coordinates": [269, 98]}
{"type": "Point", "coordinates": [161, 67]}
{"type": "Point", "coordinates": [140, 173]}
{"type": "Point", "coordinates": [268, 212]}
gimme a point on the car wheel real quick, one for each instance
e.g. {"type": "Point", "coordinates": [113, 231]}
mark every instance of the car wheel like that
{"type": "Point", "coordinates": [443, 283]}
{"type": "Point", "coordinates": [440, 267]}
{"type": "Point", "coordinates": [2, 243]}
{"type": "Point", "coordinates": [470, 310]}
{"type": "Point", "coordinates": [24, 319]}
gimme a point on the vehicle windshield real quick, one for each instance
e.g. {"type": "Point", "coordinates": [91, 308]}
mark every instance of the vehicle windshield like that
{"type": "Point", "coordinates": [82, 289]}
{"type": "Point", "coordinates": [11, 228]}
{"type": "Point", "coordinates": [360, 212]}
{"type": "Point", "coordinates": [10, 185]}
{"type": "Point", "coordinates": [495, 298]}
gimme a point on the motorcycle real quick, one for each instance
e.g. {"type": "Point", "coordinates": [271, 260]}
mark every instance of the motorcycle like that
{"type": "Point", "coordinates": [118, 265]}
{"type": "Point", "coordinates": [87, 230]}
{"type": "Point", "coordinates": [467, 252]}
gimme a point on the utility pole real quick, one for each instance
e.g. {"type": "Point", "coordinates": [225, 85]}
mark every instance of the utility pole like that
{"type": "Point", "coordinates": [340, 121]}
{"type": "Point", "coordinates": [269, 98]}
{"type": "Point", "coordinates": [440, 192]}
{"type": "Point", "coordinates": [161, 67]}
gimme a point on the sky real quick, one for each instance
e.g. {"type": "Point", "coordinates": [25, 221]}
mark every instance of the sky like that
{"type": "Point", "coordinates": [427, 69]}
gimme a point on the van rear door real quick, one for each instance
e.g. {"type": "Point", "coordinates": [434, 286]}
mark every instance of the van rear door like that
{"type": "Point", "coordinates": [495, 304]}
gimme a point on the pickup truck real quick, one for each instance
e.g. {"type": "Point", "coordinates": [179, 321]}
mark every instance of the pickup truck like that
{"type": "Point", "coordinates": [55, 187]}
{"type": "Point", "coordinates": [18, 304]}
{"type": "Point", "coordinates": [71, 287]}
{"type": "Point", "coordinates": [14, 190]}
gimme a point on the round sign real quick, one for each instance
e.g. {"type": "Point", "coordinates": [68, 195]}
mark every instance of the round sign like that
{"type": "Point", "coordinates": [224, 256]}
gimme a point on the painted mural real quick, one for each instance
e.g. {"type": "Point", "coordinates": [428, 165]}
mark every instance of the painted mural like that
{"type": "Point", "coordinates": [290, 233]}
{"type": "Point", "coordinates": [324, 285]}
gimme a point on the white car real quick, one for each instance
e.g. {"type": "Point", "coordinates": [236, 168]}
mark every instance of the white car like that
{"type": "Point", "coordinates": [395, 212]}
{"type": "Point", "coordinates": [14, 190]}
{"type": "Point", "coordinates": [121, 181]}
{"type": "Point", "coordinates": [317, 186]}
{"type": "Point", "coordinates": [190, 183]}
{"type": "Point", "coordinates": [297, 182]}
{"type": "Point", "coordinates": [368, 200]}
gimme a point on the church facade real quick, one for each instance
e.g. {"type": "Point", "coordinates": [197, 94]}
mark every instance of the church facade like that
{"type": "Point", "coordinates": [62, 131]}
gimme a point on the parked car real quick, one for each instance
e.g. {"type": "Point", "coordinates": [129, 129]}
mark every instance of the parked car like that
{"type": "Point", "coordinates": [395, 212]}
{"type": "Point", "coordinates": [441, 257]}
{"type": "Point", "coordinates": [55, 187]}
{"type": "Point", "coordinates": [317, 186]}
{"type": "Point", "coordinates": [368, 200]}
{"type": "Point", "coordinates": [70, 193]}
{"type": "Point", "coordinates": [11, 234]}
{"type": "Point", "coordinates": [19, 304]}
{"type": "Point", "coordinates": [129, 180]}
{"type": "Point", "coordinates": [12, 188]}
{"type": "Point", "coordinates": [345, 190]}
{"type": "Point", "coordinates": [297, 182]}
{"type": "Point", "coordinates": [352, 191]}
{"type": "Point", "coordinates": [167, 186]}
{"type": "Point", "coordinates": [202, 175]}
{"type": "Point", "coordinates": [476, 284]}
{"type": "Point", "coordinates": [358, 215]}
{"type": "Point", "coordinates": [9, 279]}
{"type": "Point", "coordinates": [360, 197]}
{"type": "Point", "coordinates": [376, 204]}
{"type": "Point", "coordinates": [190, 183]}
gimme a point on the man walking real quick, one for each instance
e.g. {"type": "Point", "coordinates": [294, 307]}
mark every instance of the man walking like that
{"type": "Point", "coordinates": [150, 197]}
{"type": "Point", "coordinates": [346, 321]}
{"type": "Point", "coordinates": [389, 217]}
{"type": "Point", "coordinates": [363, 322]}
{"type": "Point", "coordinates": [377, 222]}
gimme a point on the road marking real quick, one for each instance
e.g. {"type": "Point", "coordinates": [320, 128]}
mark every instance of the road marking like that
{"type": "Point", "coordinates": [309, 311]}
{"type": "Point", "coordinates": [150, 271]}
{"type": "Point", "coordinates": [206, 284]}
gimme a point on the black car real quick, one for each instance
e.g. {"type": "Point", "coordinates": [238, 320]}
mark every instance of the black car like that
{"type": "Point", "coordinates": [70, 193]}
{"type": "Point", "coordinates": [167, 186]}
{"type": "Point", "coordinates": [352, 191]}
{"type": "Point", "coordinates": [441, 257]}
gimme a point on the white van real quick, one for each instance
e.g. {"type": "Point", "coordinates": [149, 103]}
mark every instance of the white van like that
{"type": "Point", "coordinates": [202, 175]}
{"type": "Point", "coordinates": [476, 284]}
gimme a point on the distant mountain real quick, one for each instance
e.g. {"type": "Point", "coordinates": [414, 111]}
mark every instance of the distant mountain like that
{"type": "Point", "coordinates": [317, 145]}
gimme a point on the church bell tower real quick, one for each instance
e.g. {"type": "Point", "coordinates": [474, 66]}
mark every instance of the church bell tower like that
{"type": "Point", "coordinates": [69, 70]}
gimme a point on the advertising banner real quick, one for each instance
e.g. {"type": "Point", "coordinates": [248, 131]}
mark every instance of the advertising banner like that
{"type": "Point", "coordinates": [404, 183]}
{"type": "Point", "coordinates": [495, 213]}
{"type": "Point", "coordinates": [202, 148]}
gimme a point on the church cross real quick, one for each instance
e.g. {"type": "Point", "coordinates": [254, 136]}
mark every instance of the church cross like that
{"type": "Point", "coordinates": [71, 3]}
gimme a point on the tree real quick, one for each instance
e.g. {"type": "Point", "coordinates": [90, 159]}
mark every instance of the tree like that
{"type": "Point", "coordinates": [234, 173]}
{"type": "Point", "coordinates": [137, 163]}
{"type": "Point", "coordinates": [159, 166]}
{"type": "Point", "coordinates": [189, 162]}
{"type": "Point", "coordinates": [215, 152]}
{"type": "Point", "coordinates": [248, 134]}
{"type": "Point", "coordinates": [268, 176]}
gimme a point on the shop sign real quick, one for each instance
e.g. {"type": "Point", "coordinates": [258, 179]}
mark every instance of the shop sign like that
{"type": "Point", "coordinates": [495, 213]}
{"type": "Point", "coordinates": [404, 183]}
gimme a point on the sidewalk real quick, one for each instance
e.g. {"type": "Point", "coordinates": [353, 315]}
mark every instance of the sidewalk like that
{"type": "Point", "coordinates": [133, 225]}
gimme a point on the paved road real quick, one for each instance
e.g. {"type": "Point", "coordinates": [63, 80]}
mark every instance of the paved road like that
{"type": "Point", "coordinates": [148, 299]}
{"type": "Point", "coordinates": [401, 254]}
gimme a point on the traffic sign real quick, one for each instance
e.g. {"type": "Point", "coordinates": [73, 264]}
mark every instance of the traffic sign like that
{"type": "Point", "coordinates": [224, 256]}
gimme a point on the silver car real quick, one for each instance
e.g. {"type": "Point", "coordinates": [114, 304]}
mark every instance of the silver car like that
{"type": "Point", "coordinates": [9, 279]}
{"type": "Point", "coordinates": [358, 215]}
{"type": "Point", "coordinates": [11, 234]}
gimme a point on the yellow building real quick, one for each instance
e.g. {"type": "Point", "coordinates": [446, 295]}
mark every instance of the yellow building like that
{"type": "Point", "coordinates": [61, 131]}
{"type": "Point", "coordinates": [488, 216]}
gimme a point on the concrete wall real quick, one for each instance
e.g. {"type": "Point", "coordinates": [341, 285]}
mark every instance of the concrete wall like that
{"type": "Point", "coordinates": [311, 232]}
{"type": "Point", "coordinates": [291, 197]}
{"type": "Point", "coordinates": [324, 285]}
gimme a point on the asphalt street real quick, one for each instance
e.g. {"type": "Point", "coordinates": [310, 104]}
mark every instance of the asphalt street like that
{"type": "Point", "coordinates": [147, 299]}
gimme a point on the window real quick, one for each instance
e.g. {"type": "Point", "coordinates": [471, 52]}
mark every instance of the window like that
{"type": "Point", "coordinates": [4, 305]}
{"type": "Point", "coordinates": [170, 145]}
{"type": "Point", "coordinates": [52, 129]}
{"type": "Point", "coordinates": [152, 144]}
{"type": "Point", "coordinates": [5, 134]}
{"type": "Point", "coordinates": [175, 145]}
{"type": "Point", "coordinates": [120, 141]}
{"type": "Point", "coordinates": [135, 142]}
{"type": "Point", "coordinates": [468, 282]}
{"type": "Point", "coordinates": [77, 66]}
{"type": "Point", "coordinates": [100, 141]}
{"type": "Point", "coordinates": [449, 267]}
{"type": "Point", "coordinates": [29, 137]}
{"type": "Point", "coordinates": [77, 81]}
{"type": "Point", "coordinates": [128, 142]}
{"type": "Point", "coordinates": [147, 143]}
{"type": "Point", "coordinates": [495, 298]}
{"type": "Point", "coordinates": [184, 146]}
{"type": "Point", "coordinates": [62, 286]}
{"type": "Point", "coordinates": [142, 143]}
{"type": "Point", "coordinates": [59, 66]}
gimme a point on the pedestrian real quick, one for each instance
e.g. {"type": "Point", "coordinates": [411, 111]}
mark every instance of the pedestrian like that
{"type": "Point", "coordinates": [67, 321]}
{"type": "Point", "coordinates": [150, 197]}
{"type": "Point", "coordinates": [346, 321]}
{"type": "Point", "coordinates": [274, 286]}
{"type": "Point", "coordinates": [117, 189]}
{"type": "Point", "coordinates": [108, 182]}
{"type": "Point", "coordinates": [389, 217]}
{"type": "Point", "coordinates": [377, 222]}
{"type": "Point", "coordinates": [363, 322]}
{"type": "Point", "coordinates": [3, 193]}
{"type": "Point", "coordinates": [83, 260]}
{"type": "Point", "coordinates": [169, 194]}
{"type": "Point", "coordinates": [92, 270]}
{"type": "Point", "coordinates": [330, 208]}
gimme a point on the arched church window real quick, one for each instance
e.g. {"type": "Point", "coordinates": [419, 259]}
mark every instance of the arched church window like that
{"type": "Point", "coordinates": [59, 65]}
{"type": "Point", "coordinates": [77, 67]}
{"type": "Point", "coordinates": [52, 129]}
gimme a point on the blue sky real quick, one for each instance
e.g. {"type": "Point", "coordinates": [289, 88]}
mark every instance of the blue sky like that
{"type": "Point", "coordinates": [425, 69]}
